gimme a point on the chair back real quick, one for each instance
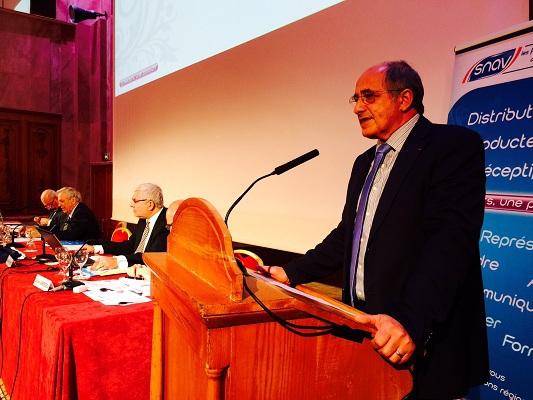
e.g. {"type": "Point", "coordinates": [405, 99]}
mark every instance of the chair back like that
{"type": "Point", "coordinates": [120, 234]}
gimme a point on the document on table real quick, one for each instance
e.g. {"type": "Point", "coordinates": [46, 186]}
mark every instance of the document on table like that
{"type": "Point", "coordinates": [121, 291]}
{"type": "Point", "coordinates": [104, 272]}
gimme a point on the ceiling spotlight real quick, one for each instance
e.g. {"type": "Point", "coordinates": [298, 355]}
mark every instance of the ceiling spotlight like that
{"type": "Point", "coordinates": [77, 14]}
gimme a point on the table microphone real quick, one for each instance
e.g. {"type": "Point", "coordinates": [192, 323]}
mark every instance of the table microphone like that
{"type": "Point", "coordinates": [13, 244]}
{"type": "Point", "coordinates": [277, 171]}
{"type": "Point", "coordinates": [69, 285]}
{"type": "Point", "coordinates": [17, 210]}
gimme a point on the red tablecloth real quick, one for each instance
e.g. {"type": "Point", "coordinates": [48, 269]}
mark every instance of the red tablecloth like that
{"type": "Point", "coordinates": [65, 346]}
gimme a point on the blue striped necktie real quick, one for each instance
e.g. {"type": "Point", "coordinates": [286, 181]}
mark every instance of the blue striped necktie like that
{"type": "Point", "coordinates": [382, 150]}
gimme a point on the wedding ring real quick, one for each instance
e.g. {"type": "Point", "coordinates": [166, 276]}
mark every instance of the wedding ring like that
{"type": "Point", "coordinates": [397, 352]}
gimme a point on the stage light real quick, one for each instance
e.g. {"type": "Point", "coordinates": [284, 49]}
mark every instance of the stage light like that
{"type": "Point", "coordinates": [77, 14]}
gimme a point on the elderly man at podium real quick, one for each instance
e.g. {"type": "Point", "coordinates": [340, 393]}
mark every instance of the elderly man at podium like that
{"type": "Point", "coordinates": [408, 238]}
{"type": "Point", "coordinates": [150, 234]}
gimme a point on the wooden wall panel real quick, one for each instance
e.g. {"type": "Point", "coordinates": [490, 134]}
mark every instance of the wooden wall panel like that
{"type": "Point", "coordinates": [52, 66]}
{"type": "Point", "coordinates": [30, 145]}
{"type": "Point", "coordinates": [101, 190]}
{"type": "Point", "coordinates": [10, 167]}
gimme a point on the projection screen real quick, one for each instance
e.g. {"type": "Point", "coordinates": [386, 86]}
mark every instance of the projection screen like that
{"type": "Point", "coordinates": [211, 95]}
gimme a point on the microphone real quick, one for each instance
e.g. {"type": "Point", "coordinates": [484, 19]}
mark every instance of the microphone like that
{"type": "Point", "coordinates": [297, 161]}
{"type": "Point", "coordinates": [277, 171]}
{"type": "Point", "coordinates": [69, 285]}
{"type": "Point", "coordinates": [13, 232]}
{"type": "Point", "coordinates": [58, 288]}
{"type": "Point", "coordinates": [17, 210]}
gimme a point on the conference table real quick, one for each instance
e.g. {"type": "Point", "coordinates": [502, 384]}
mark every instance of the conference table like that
{"type": "Point", "coordinates": [63, 345]}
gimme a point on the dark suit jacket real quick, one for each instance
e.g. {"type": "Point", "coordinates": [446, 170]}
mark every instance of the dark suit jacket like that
{"type": "Point", "coordinates": [57, 217]}
{"type": "Point", "coordinates": [156, 243]}
{"type": "Point", "coordinates": [422, 260]}
{"type": "Point", "coordinates": [83, 225]}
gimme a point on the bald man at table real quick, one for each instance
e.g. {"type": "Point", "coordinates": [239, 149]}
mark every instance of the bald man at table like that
{"type": "Point", "coordinates": [55, 214]}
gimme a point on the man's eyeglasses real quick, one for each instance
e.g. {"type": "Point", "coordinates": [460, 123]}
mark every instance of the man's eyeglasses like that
{"type": "Point", "coordinates": [369, 96]}
{"type": "Point", "coordinates": [136, 201]}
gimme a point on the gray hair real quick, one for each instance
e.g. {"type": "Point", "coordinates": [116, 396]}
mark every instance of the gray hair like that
{"type": "Point", "coordinates": [48, 194]}
{"type": "Point", "coordinates": [71, 192]}
{"type": "Point", "coordinates": [150, 191]}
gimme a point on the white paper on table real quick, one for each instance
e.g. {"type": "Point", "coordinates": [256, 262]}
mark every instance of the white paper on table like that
{"type": "Point", "coordinates": [113, 292]}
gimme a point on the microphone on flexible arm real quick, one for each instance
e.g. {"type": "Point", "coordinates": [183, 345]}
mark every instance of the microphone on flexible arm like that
{"type": "Point", "coordinates": [302, 330]}
{"type": "Point", "coordinates": [17, 210]}
{"type": "Point", "coordinates": [277, 171]}
{"type": "Point", "coordinates": [12, 212]}
{"type": "Point", "coordinates": [13, 232]}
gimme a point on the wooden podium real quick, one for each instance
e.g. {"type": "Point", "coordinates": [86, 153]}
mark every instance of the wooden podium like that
{"type": "Point", "coordinates": [211, 340]}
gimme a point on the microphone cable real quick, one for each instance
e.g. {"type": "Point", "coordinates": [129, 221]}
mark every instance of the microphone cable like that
{"type": "Point", "coordinates": [9, 271]}
{"type": "Point", "coordinates": [19, 344]}
{"type": "Point", "coordinates": [292, 327]}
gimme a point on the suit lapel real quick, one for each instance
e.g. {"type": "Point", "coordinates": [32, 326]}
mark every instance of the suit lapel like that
{"type": "Point", "coordinates": [411, 150]}
{"type": "Point", "coordinates": [161, 221]}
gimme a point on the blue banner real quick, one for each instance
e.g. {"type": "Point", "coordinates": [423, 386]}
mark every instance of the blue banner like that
{"type": "Point", "coordinates": [492, 94]}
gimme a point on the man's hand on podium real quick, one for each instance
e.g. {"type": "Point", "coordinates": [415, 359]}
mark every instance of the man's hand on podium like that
{"type": "Point", "coordinates": [390, 339]}
{"type": "Point", "coordinates": [276, 273]}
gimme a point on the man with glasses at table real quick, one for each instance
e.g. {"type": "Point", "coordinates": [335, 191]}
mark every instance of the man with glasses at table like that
{"type": "Point", "coordinates": [408, 240]}
{"type": "Point", "coordinates": [55, 216]}
{"type": "Point", "coordinates": [150, 234]}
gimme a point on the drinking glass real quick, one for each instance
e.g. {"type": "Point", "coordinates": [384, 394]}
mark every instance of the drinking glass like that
{"type": "Point", "coordinates": [64, 259]}
{"type": "Point", "coordinates": [7, 235]}
{"type": "Point", "coordinates": [30, 244]}
{"type": "Point", "coordinates": [80, 258]}
{"type": "Point", "coordinates": [3, 240]}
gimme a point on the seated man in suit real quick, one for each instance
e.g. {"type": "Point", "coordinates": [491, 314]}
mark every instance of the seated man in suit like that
{"type": "Point", "coordinates": [81, 223]}
{"type": "Point", "coordinates": [150, 234]}
{"type": "Point", "coordinates": [56, 216]}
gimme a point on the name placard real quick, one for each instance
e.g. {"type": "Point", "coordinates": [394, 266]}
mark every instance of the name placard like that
{"type": "Point", "coordinates": [9, 261]}
{"type": "Point", "coordinates": [43, 283]}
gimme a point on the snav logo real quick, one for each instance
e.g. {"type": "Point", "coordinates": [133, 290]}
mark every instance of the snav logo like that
{"type": "Point", "coordinates": [492, 65]}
